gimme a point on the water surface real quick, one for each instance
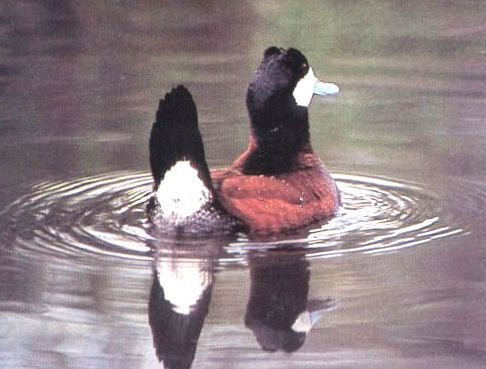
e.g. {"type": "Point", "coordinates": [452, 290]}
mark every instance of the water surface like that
{"type": "Point", "coordinates": [396, 280]}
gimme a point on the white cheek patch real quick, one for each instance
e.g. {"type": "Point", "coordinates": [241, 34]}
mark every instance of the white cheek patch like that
{"type": "Point", "coordinates": [304, 89]}
{"type": "Point", "coordinates": [181, 193]}
{"type": "Point", "coordinates": [309, 86]}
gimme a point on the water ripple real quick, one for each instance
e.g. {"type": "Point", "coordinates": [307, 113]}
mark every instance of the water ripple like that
{"type": "Point", "coordinates": [378, 215]}
{"type": "Point", "coordinates": [105, 215]}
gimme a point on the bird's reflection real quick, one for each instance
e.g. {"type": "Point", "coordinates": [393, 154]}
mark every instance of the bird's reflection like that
{"type": "Point", "coordinates": [279, 312]}
{"type": "Point", "coordinates": [179, 301]}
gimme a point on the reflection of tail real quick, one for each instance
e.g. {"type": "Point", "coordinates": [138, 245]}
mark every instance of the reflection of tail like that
{"type": "Point", "coordinates": [176, 333]}
{"type": "Point", "coordinates": [175, 137]}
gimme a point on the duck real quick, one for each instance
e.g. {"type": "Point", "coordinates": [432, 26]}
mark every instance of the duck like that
{"type": "Point", "coordinates": [277, 185]}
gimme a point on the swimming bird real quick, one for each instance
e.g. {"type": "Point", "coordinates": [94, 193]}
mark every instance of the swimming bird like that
{"type": "Point", "coordinates": [277, 184]}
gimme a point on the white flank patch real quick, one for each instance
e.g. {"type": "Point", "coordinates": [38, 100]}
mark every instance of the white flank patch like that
{"type": "Point", "coordinates": [304, 90]}
{"type": "Point", "coordinates": [184, 283]}
{"type": "Point", "coordinates": [181, 193]}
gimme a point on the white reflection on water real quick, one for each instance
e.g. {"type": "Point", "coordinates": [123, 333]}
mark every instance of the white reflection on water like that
{"type": "Point", "coordinates": [105, 215]}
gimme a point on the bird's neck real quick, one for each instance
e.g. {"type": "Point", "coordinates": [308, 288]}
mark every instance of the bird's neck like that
{"type": "Point", "coordinates": [279, 133]}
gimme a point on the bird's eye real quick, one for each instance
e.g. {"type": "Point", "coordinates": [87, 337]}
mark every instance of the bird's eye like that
{"type": "Point", "coordinates": [304, 67]}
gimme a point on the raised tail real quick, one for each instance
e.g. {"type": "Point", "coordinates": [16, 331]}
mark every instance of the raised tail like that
{"type": "Point", "coordinates": [175, 137]}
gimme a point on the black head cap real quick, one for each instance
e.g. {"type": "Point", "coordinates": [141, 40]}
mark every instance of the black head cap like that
{"type": "Point", "coordinates": [292, 59]}
{"type": "Point", "coordinates": [276, 77]}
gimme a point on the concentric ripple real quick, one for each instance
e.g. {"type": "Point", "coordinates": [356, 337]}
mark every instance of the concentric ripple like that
{"type": "Point", "coordinates": [100, 215]}
{"type": "Point", "coordinates": [106, 215]}
{"type": "Point", "coordinates": [377, 215]}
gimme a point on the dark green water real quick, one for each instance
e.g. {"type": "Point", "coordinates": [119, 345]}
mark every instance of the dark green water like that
{"type": "Point", "coordinates": [400, 274]}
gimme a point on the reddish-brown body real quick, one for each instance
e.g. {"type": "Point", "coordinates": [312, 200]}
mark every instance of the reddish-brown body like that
{"type": "Point", "coordinates": [270, 204]}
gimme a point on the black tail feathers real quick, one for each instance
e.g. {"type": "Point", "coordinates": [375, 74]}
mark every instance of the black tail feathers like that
{"type": "Point", "coordinates": [175, 136]}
